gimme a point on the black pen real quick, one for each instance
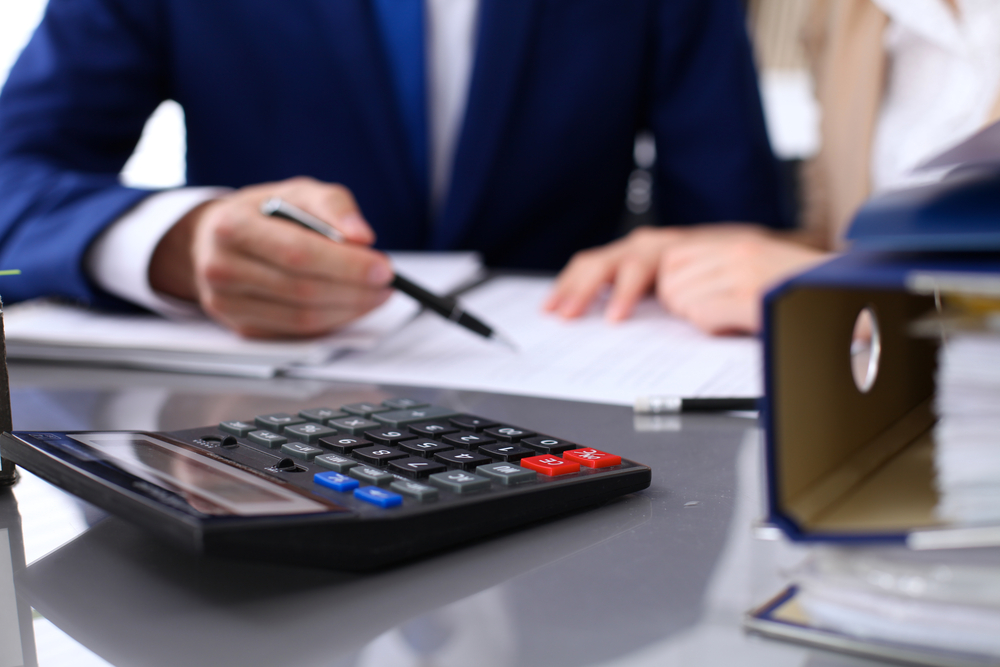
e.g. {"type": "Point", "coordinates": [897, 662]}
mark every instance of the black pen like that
{"type": "Point", "coordinates": [445, 306]}
{"type": "Point", "coordinates": [659, 405]}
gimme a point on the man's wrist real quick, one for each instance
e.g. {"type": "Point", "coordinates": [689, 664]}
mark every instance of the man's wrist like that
{"type": "Point", "coordinates": [171, 267]}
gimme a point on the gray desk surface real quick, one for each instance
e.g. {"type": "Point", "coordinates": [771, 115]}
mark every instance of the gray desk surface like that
{"type": "Point", "coordinates": [662, 577]}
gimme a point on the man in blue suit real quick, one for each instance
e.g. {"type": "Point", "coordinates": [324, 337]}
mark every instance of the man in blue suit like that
{"type": "Point", "coordinates": [508, 131]}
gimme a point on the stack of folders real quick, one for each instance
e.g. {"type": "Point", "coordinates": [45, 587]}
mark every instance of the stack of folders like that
{"type": "Point", "coordinates": [967, 403]}
{"type": "Point", "coordinates": [926, 607]}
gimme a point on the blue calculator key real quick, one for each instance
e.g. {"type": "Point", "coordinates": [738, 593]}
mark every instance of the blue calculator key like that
{"type": "Point", "coordinates": [336, 481]}
{"type": "Point", "coordinates": [377, 496]}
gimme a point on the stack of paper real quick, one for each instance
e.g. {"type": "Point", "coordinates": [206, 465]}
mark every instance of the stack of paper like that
{"type": "Point", "coordinates": [967, 435]}
{"type": "Point", "coordinates": [940, 600]}
{"type": "Point", "coordinates": [50, 331]}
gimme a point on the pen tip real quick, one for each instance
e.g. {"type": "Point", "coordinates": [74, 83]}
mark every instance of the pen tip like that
{"type": "Point", "coordinates": [506, 342]}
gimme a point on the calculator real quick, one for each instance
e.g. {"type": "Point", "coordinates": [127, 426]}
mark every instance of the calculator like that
{"type": "Point", "coordinates": [355, 487]}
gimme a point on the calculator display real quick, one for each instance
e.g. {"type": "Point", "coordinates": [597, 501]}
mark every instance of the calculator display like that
{"type": "Point", "coordinates": [209, 486]}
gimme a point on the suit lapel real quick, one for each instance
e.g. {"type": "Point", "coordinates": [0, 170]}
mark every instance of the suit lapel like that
{"type": "Point", "coordinates": [504, 36]}
{"type": "Point", "coordinates": [356, 42]}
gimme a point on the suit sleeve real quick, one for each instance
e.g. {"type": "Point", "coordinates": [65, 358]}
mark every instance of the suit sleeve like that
{"type": "Point", "coordinates": [71, 114]}
{"type": "Point", "coordinates": [714, 161]}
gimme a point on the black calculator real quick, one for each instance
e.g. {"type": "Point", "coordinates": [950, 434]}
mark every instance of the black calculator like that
{"type": "Point", "coordinates": [356, 487]}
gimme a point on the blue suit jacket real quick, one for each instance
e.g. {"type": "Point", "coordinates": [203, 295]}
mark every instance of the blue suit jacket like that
{"type": "Point", "coordinates": [277, 88]}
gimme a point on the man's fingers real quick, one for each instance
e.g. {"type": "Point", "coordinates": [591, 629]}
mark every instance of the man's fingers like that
{"type": "Point", "coordinates": [234, 273]}
{"type": "Point", "coordinates": [260, 318]}
{"type": "Point", "coordinates": [293, 249]}
{"type": "Point", "coordinates": [331, 203]}
{"type": "Point", "coordinates": [634, 278]}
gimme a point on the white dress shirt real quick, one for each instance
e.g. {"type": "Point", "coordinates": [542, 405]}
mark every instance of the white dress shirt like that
{"type": "Point", "coordinates": [943, 80]}
{"type": "Point", "coordinates": [118, 260]}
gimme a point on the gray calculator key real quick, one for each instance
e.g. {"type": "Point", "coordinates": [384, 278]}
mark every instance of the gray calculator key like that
{"type": "Point", "coordinates": [364, 409]}
{"type": "Point", "coordinates": [301, 450]}
{"type": "Point", "coordinates": [321, 415]}
{"type": "Point", "coordinates": [460, 482]}
{"type": "Point", "coordinates": [237, 428]}
{"type": "Point", "coordinates": [353, 425]}
{"type": "Point", "coordinates": [371, 475]}
{"type": "Point", "coordinates": [309, 432]}
{"type": "Point", "coordinates": [277, 421]}
{"type": "Point", "coordinates": [335, 462]}
{"type": "Point", "coordinates": [421, 492]}
{"type": "Point", "coordinates": [507, 474]}
{"type": "Point", "coordinates": [412, 416]}
{"type": "Point", "coordinates": [267, 438]}
{"type": "Point", "coordinates": [403, 403]}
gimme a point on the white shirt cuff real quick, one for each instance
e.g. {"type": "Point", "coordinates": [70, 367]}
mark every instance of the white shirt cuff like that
{"type": "Point", "coordinates": [118, 260]}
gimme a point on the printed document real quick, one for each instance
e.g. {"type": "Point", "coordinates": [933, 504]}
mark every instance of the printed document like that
{"type": "Point", "coordinates": [586, 359]}
{"type": "Point", "coordinates": [53, 331]}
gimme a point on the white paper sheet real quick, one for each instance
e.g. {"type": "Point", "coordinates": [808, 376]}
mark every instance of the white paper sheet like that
{"type": "Point", "coordinates": [51, 331]}
{"type": "Point", "coordinates": [981, 149]}
{"type": "Point", "coordinates": [586, 359]}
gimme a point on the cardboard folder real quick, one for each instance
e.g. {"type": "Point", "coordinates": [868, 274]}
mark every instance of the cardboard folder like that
{"type": "Point", "coordinates": [846, 464]}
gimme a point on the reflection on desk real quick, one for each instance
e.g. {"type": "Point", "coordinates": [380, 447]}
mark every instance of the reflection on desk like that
{"type": "Point", "coordinates": [658, 578]}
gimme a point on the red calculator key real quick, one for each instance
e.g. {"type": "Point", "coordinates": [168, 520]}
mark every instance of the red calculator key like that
{"type": "Point", "coordinates": [549, 465]}
{"type": "Point", "coordinates": [593, 458]}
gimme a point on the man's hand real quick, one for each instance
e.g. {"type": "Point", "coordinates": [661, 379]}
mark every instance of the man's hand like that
{"type": "Point", "coordinates": [266, 277]}
{"type": "Point", "coordinates": [713, 275]}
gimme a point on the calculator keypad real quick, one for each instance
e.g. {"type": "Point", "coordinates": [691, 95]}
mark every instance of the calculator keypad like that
{"type": "Point", "coordinates": [237, 428]}
{"type": "Point", "coordinates": [592, 458]}
{"type": "Point", "coordinates": [405, 449]}
{"type": "Point", "coordinates": [336, 481]}
{"type": "Point", "coordinates": [309, 432]}
{"type": "Point", "coordinates": [322, 415]}
{"type": "Point", "coordinates": [466, 440]}
{"type": "Point", "coordinates": [432, 429]}
{"type": "Point", "coordinates": [378, 456]}
{"type": "Point", "coordinates": [399, 418]}
{"type": "Point", "coordinates": [377, 496]}
{"type": "Point", "coordinates": [353, 425]}
{"type": "Point", "coordinates": [371, 475]}
{"type": "Point", "coordinates": [420, 492]}
{"type": "Point", "coordinates": [335, 462]}
{"type": "Point", "coordinates": [503, 451]}
{"type": "Point", "coordinates": [471, 423]}
{"type": "Point", "coordinates": [460, 482]}
{"type": "Point", "coordinates": [301, 450]}
{"type": "Point", "coordinates": [267, 438]}
{"type": "Point", "coordinates": [416, 467]}
{"type": "Point", "coordinates": [278, 421]}
{"type": "Point", "coordinates": [425, 448]}
{"type": "Point", "coordinates": [364, 409]}
{"type": "Point", "coordinates": [507, 474]}
{"type": "Point", "coordinates": [507, 433]}
{"type": "Point", "coordinates": [550, 465]}
{"type": "Point", "coordinates": [388, 436]}
{"type": "Point", "coordinates": [463, 459]}
{"type": "Point", "coordinates": [344, 445]}
{"type": "Point", "coordinates": [547, 445]}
